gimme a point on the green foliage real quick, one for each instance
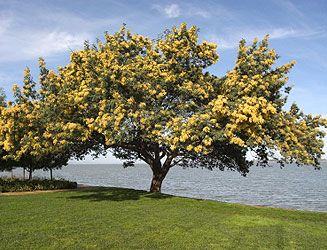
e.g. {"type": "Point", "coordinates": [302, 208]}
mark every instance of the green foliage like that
{"type": "Point", "coordinates": [115, 218]}
{"type": "Point", "coordinates": [6, 165]}
{"type": "Point", "coordinates": [18, 185]}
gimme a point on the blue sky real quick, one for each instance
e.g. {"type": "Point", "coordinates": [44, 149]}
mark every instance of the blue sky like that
{"type": "Point", "coordinates": [51, 29]}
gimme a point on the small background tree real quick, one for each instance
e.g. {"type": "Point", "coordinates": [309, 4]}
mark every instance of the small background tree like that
{"type": "Point", "coordinates": [5, 165]}
{"type": "Point", "coordinates": [25, 136]}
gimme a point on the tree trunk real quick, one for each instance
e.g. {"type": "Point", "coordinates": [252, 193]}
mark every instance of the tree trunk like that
{"type": "Point", "coordinates": [159, 171]}
{"type": "Point", "coordinates": [50, 173]}
{"type": "Point", "coordinates": [24, 174]}
{"type": "Point", "coordinates": [30, 174]}
{"type": "Point", "coordinates": [156, 183]}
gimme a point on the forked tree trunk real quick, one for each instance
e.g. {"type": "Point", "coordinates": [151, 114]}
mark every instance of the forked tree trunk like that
{"type": "Point", "coordinates": [159, 174]}
{"type": "Point", "coordinates": [156, 183]}
{"type": "Point", "coordinates": [159, 164]}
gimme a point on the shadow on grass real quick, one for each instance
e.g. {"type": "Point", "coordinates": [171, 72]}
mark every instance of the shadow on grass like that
{"type": "Point", "coordinates": [115, 194]}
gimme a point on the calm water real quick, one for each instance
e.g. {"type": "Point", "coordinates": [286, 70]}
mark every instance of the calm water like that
{"type": "Point", "coordinates": [291, 187]}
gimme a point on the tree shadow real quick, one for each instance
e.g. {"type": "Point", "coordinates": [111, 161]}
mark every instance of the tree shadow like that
{"type": "Point", "coordinates": [115, 194]}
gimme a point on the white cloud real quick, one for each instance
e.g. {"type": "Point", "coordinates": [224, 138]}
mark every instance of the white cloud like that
{"type": "Point", "coordinates": [290, 7]}
{"type": "Point", "coordinates": [280, 33]}
{"type": "Point", "coordinates": [45, 35]}
{"type": "Point", "coordinates": [187, 10]}
{"type": "Point", "coordinates": [31, 44]}
{"type": "Point", "coordinates": [49, 43]}
{"type": "Point", "coordinates": [230, 38]}
{"type": "Point", "coordinates": [195, 11]}
{"type": "Point", "coordinates": [172, 11]}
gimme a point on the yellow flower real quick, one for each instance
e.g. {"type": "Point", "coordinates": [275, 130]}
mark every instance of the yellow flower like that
{"type": "Point", "coordinates": [238, 141]}
{"type": "Point", "coordinates": [142, 105]}
{"type": "Point", "coordinates": [206, 129]}
{"type": "Point", "coordinates": [198, 149]}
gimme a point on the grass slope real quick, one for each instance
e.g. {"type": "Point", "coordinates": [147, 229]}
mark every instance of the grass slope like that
{"type": "Point", "coordinates": [122, 218]}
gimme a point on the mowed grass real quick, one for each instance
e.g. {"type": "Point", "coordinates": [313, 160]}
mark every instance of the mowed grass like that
{"type": "Point", "coordinates": [104, 218]}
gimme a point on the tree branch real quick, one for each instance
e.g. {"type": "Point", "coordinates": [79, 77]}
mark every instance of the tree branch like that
{"type": "Point", "coordinates": [176, 162]}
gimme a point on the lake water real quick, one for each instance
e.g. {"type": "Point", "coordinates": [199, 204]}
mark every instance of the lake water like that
{"type": "Point", "coordinates": [291, 187]}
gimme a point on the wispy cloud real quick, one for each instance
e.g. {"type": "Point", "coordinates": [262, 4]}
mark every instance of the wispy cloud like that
{"type": "Point", "coordinates": [20, 46]}
{"type": "Point", "coordinates": [290, 7]}
{"type": "Point", "coordinates": [5, 22]}
{"type": "Point", "coordinates": [172, 10]}
{"type": "Point", "coordinates": [281, 33]}
{"type": "Point", "coordinates": [230, 38]}
{"type": "Point", "coordinates": [186, 10]}
{"type": "Point", "coordinates": [60, 32]}
{"type": "Point", "coordinates": [195, 11]}
{"type": "Point", "coordinates": [49, 43]}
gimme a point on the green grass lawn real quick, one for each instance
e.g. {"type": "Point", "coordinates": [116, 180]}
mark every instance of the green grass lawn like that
{"type": "Point", "coordinates": [128, 219]}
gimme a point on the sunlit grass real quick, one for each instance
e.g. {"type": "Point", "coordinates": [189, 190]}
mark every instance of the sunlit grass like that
{"type": "Point", "coordinates": [122, 218]}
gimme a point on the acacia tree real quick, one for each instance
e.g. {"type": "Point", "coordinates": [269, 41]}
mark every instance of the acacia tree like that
{"type": "Point", "coordinates": [154, 100]}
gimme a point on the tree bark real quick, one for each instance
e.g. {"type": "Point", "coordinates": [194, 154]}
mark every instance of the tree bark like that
{"type": "Point", "coordinates": [50, 173]}
{"type": "Point", "coordinates": [159, 174]}
{"type": "Point", "coordinates": [156, 183]}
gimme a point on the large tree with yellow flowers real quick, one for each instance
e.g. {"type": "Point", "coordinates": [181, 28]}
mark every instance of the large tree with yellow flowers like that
{"type": "Point", "coordinates": [155, 101]}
